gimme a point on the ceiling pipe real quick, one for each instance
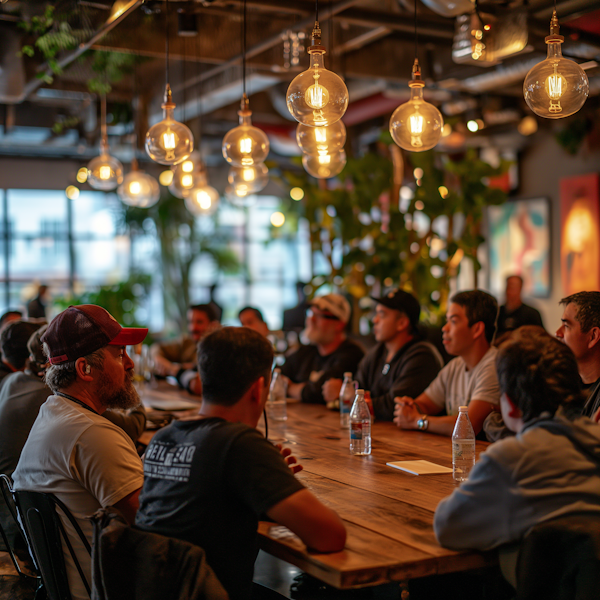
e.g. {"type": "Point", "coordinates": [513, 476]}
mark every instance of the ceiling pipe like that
{"type": "Point", "coordinates": [123, 10]}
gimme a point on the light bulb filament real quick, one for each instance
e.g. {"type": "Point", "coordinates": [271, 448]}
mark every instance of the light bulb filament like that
{"type": "Point", "coordinates": [246, 145]}
{"type": "Point", "coordinates": [321, 134]}
{"type": "Point", "coordinates": [203, 200]}
{"type": "Point", "coordinates": [135, 188]}
{"type": "Point", "coordinates": [105, 173]}
{"type": "Point", "coordinates": [316, 95]}
{"type": "Point", "coordinates": [416, 123]}
{"type": "Point", "coordinates": [169, 140]}
{"type": "Point", "coordinates": [324, 159]}
{"type": "Point", "coordinates": [187, 181]}
{"type": "Point", "coordinates": [248, 174]}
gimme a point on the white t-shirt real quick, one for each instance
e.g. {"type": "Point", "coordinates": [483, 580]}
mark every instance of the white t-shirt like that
{"type": "Point", "coordinates": [86, 461]}
{"type": "Point", "coordinates": [456, 385]}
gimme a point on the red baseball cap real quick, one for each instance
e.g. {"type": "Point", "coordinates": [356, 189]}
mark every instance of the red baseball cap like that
{"type": "Point", "coordinates": [81, 330]}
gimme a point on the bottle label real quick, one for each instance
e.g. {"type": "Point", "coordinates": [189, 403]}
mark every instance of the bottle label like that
{"type": "Point", "coordinates": [356, 431]}
{"type": "Point", "coordinates": [462, 448]}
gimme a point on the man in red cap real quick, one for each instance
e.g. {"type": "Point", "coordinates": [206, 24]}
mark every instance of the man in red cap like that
{"type": "Point", "coordinates": [73, 451]}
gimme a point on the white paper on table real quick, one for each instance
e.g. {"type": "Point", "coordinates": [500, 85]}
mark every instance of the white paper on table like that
{"type": "Point", "coordinates": [419, 467]}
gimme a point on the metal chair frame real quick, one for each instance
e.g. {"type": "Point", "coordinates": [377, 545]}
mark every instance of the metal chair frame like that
{"type": "Point", "coordinates": [45, 533]}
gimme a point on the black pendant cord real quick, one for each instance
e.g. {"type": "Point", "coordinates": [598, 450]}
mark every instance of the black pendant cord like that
{"type": "Point", "coordinates": [167, 40]}
{"type": "Point", "coordinates": [77, 401]}
{"type": "Point", "coordinates": [244, 47]}
{"type": "Point", "coordinates": [416, 32]}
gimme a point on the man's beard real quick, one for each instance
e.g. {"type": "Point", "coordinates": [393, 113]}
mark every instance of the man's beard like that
{"type": "Point", "coordinates": [124, 397]}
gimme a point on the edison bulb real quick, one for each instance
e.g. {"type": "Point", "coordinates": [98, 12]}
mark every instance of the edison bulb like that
{"type": "Point", "coordinates": [324, 166]}
{"type": "Point", "coordinates": [202, 200]}
{"type": "Point", "coordinates": [245, 145]}
{"type": "Point", "coordinates": [248, 180]}
{"type": "Point", "coordinates": [169, 142]}
{"type": "Point", "coordinates": [105, 172]}
{"type": "Point", "coordinates": [317, 97]}
{"type": "Point", "coordinates": [556, 87]}
{"type": "Point", "coordinates": [139, 189]}
{"type": "Point", "coordinates": [416, 125]}
{"type": "Point", "coordinates": [183, 182]}
{"type": "Point", "coordinates": [321, 139]}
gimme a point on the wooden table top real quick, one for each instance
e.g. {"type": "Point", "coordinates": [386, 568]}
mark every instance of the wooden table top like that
{"type": "Point", "coordinates": [388, 513]}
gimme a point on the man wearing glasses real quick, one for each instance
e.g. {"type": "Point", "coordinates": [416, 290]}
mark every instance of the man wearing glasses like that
{"type": "Point", "coordinates": [329, 353]}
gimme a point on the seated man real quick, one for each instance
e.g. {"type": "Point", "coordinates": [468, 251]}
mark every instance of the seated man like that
{"type": "Point", "coordinates": [209, 478]}
{"type": "Point", "coordinates": [401, 364]}
{"type": "Point", "coordinates": [73, 451]}
{"type": "Point", "coordinates": [550, 469]}
{"type": "Point", "coordinates": [172, 357]}
{"type": "Point", "coordinates": [469, 379]}
{"type": "Point", "coordinates": [514, 313]}
{"type": "Point", "coordinates": [329, 354]}
{"type": "Point", "coordinates": [580, 331]}
{"type": "Point", "coordinates": [252, 318]}
{"type": "Point", "coordinates": [13, 345]}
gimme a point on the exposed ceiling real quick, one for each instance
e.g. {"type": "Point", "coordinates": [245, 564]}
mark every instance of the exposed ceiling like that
{"type": "Point", "coordinates": [370, 43]}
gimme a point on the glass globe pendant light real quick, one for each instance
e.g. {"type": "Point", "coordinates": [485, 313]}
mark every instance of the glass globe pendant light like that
{"type": "Point", "coordinates": [186, 175]}
{"type": "Point", "coordinates": [248, 180]}
{"type": "Point", "coordinates": [416, 125]}
{"type": "Point", "coordinates": [138, 188]}
{"type": "Point", "coordinates": [324, 166]}
{"type": "Point", "coordinates": [557, 87]}
{"type": "Point", "coordinates": [313, 140]}
{"type": "Point", "coordinates": [203, 199]}
{"type": "Point", "coordinates": [105, 172]}
{"type": "Point", "coordinates": [317, 97]}
{"type": "Point", "coordinates": [245, 145]}
{"type": "Point", "coordinates": [169, 142]}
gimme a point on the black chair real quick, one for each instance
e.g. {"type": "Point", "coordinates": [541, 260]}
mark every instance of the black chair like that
{"type": "Point", "coordinates": [45, 534]}
{"type": "Point", "coordinates": [560, 560]}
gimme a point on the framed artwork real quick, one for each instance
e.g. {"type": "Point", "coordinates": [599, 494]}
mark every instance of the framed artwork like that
{"type": "Point", "coordinates": [519, 244]}
{"type": "Point", "coordinates": [580, 233]}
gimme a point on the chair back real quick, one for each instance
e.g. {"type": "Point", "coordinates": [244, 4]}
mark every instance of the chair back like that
{"type": "Point", "coordinates": [45, 535]}
{"type": "Point", "coordinates": [560, 560]}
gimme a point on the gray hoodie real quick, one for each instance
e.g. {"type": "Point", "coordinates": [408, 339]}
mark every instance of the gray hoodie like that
{"type": "Point", "coordinates": [550, 469]}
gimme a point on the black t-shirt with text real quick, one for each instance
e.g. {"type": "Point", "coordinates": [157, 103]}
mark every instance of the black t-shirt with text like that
{"type": "Point", "coordinates": [208, 481]}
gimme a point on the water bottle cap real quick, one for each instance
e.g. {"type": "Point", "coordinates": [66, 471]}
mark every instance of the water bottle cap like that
{"type": "Point", "coordinates": [348, 374]}
{"type": "Point", "coordinates": [360, 392]}
{"type": "Point", "coordinates": [463, 409]}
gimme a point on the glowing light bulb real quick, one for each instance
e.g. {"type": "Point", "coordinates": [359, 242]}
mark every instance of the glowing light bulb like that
{"type": "Point", "coordinates": [248, 180]}
{"type": "Point", "coordinates": [245, 145]}
{"type": "Point", "coordinates": [166, 177]}
{"type": "Point", "coordinates": [187, 166]}
{"type": "Point", "coordinates": [139, 189]}
{"type": "Point", "coordinates": [296, 194]}
{"type": "Point", "coordinates": [324, 166]}
{"type": "Point", "coordinates": [105, 172]}
{"type": "Point", "coordinates": [316, 139]}
{"type": "Point", "coordinates": [202, 200]}
{"type": "Point", "coordinates": [189, 174]}
{"type": "Point", "coordinates": [82, 175]}
{"type": "Point", "coordinates": [317, 97]}
{"type": "Point", "coordinates": [277, 219]}
{"type": "Point", "coordinates": [72, 192]}
{"type": "Point", "coordinates": [416, 125]}
{"type": "Point", "coordinates": [556, 87]}
{"type": "Point", "coordinates": [169, 142]}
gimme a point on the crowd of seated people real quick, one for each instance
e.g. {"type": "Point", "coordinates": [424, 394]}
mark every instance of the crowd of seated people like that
{"type": "Point", "coordinates": [69, 389]}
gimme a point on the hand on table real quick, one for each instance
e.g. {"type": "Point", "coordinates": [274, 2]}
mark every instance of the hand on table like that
{"type": "Point", "coordinates": [406, 413]}
{"type": "Point", "coordinates": [331, 389]}
{"type": "Point", "coordinates": [290, 459]}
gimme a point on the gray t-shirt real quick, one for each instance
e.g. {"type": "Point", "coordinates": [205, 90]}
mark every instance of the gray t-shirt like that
{"type": "Point", "coordinates": [456, 385]}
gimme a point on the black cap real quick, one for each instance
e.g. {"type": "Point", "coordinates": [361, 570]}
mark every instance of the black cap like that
{"type": "Point", "coordinates": [402, 301]}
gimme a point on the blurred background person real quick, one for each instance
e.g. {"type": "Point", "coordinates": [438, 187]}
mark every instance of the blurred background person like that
{"type": "Point", "coordinates": [514, 313]}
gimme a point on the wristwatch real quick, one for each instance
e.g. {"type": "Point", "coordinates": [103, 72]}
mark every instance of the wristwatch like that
{"type": "Point", "coordinates": [423, 423]}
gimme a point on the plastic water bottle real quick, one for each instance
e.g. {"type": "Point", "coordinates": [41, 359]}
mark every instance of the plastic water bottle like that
{"type": "Point", "coordinates": [346, 397]}
{"type": "Point", "coordinates": [276, 404]}
{"type": "Point", "coordinates": [360, 426]}
{"type": "Point", "coordinates": [463, 446]}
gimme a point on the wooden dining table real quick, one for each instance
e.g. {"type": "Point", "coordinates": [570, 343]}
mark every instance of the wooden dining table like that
{"type": "Point", "coordinates": [388, 513]}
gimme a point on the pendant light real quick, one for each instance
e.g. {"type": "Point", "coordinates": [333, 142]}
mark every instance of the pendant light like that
{"type": "Point", "coordinates": [248, 180]}
{"type": "Point", "coordinates": [416, 125]}
{"type": "Point", "coordinates": [246, 147]}
{"type": "Point", "coordinates": [105, 172]}
{"type": "Point", "coordinates": [186, 175]}
{"type": "Point", "coordinates": [313, 140]}
{"type": "Point", "coordinates": [169, 142]}
{"type": "Point", "coordinates": [138, 188]}
{"type": "Point", "coordinates": [324, 166]}
{"type": "Point", "coordinates": [557, 87]}
{"type": "Point", "coordinates": [317, 97]}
